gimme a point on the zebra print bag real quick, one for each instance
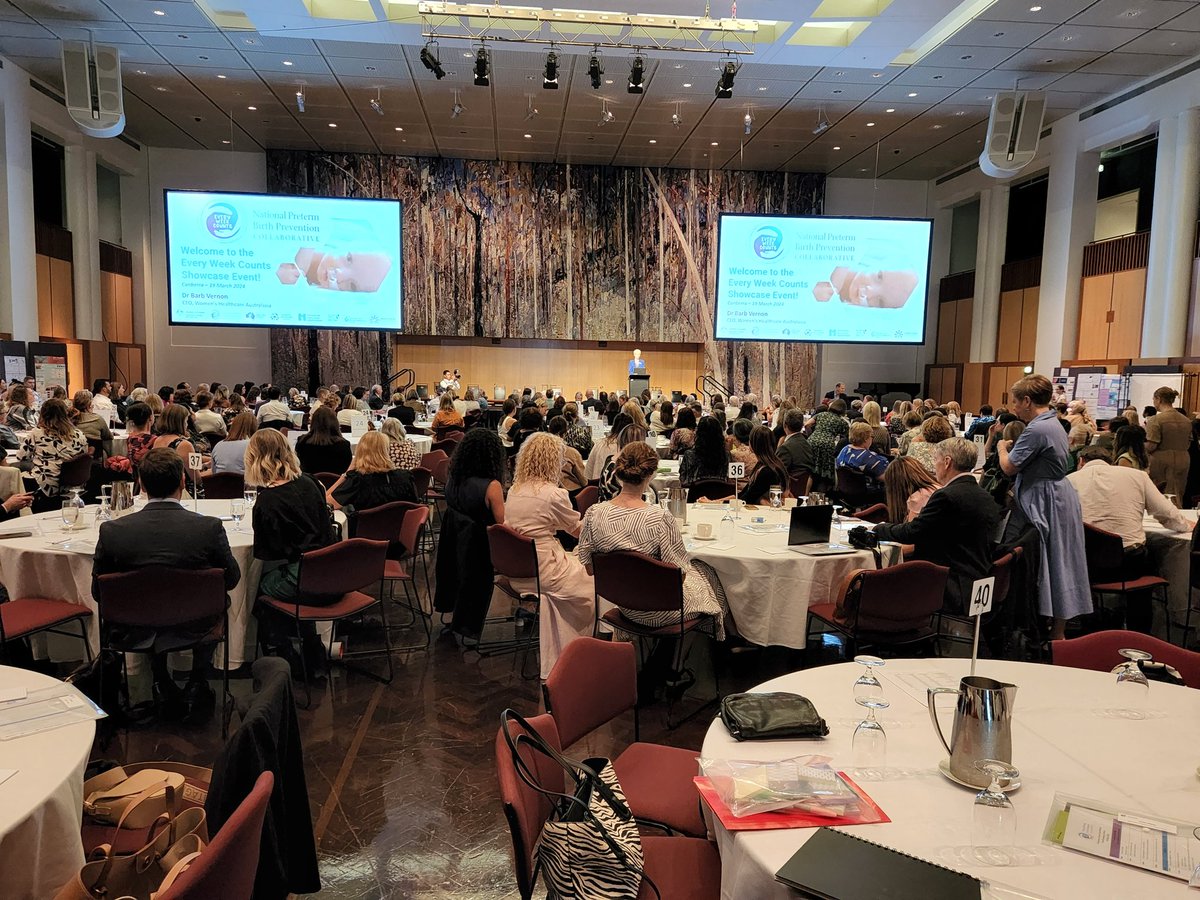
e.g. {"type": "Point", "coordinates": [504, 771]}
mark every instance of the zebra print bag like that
{"type": "Point", "coordinates": [589, 848]}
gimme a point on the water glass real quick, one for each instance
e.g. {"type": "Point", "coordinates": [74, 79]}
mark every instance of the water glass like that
{"type": "Point", "coordinates": [867, 684]}
{"type": "Point", "coordinates": [870, 741]}
{"type": "Point", "coordinates": [250, 494]}
{"type": "Point", "coordinates": [70, 514]}
{"type": "Point", "coordinates": [993, 820]}
{"type": "Point", "coordinates": [1133, 688]}
{"type": "Point", "coordinates": [776, 498]}
{"type": "Point", "coordinates": [237, 509]}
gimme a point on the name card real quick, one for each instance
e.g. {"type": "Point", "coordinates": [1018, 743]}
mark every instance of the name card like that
{"type": "Point", "coordinates": [737, 470]}
{"type": "Point", "coordinates": [981, 596]}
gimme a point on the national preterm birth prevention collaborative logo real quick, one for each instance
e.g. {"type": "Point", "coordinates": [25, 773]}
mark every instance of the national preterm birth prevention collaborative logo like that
{"type": "Point", "coordinates": [221, 219]}
{"type": "Point", "coordinates": [768, 242]}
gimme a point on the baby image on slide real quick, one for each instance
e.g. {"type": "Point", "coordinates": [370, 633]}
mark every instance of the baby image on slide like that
{"type": "Point", "coordinates": [340, 268]}
{"type": "Point", "coordinates": [871, 282]}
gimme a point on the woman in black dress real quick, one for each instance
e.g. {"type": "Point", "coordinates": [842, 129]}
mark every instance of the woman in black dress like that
{"type": "Point", "coordinates": [322, 448]}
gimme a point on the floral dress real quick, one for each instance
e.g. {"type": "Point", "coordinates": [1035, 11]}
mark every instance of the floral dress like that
{"type": "Point", "coordinates": [47, 452]}
{"type": "Point", "coordinates": [829, 430]}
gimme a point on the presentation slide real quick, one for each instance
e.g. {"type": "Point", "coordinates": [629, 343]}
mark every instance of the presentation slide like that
{"type": "Point", "coordinates": [822, 279]}
{"type": "Point", "coordinates": [270, 260]}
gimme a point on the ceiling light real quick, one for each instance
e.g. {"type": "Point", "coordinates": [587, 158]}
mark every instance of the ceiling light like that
{"type": "Point", "coordinates": [300, 100]}
{"type": "Point", "coordinates": [483, 68]}
{"type": "Point", "coordinates": [431, 62]}
{"type": "Point", "coordinates": [399, 128]}
{"type": "Point", "coordinates": [550, 76]}
{"type": "Point", "coordinates": [1100, 168]}
{"type": "Point", "coordinates": [288, 62]}
{"type": "Point", "coordinates": [333, 124]}
{"type": "Point", "coordinates": [714, 143]}
{"type": "Point", "coordinates": [606, 115]}
{"type": "Point", "coordinates": [762, 88]}
{"type": "Point", "coordinates": [251, 108]}
{"type": "Point", "coordinates": [725, 82]}
{"type": "Point", "coordinates": [637, 75]}
{"type": "Point", "coordinates": [595, 70]}
{"type": "Point", "coordinates": [1035, 9]}
{"type": "Point", "coordinates": [890, 109]}
{"type": "Point", "coordinates": [687, 84]}
{"type": "Point", "coordinates": [747, 122]}
{"type": "Point", "coordinates": [224, 141]}
{"type": "Point", "coordinates": [870, 124]}
{"type": "Point", "coordinates": [912, 93]}
{"type": "Point", "coordinates": [159, 12]}
{"type": "Point", "coordinates": [377, 101]}
{"type": "Point", "coordinates": [457, 109]}
{"type": "Point", "coordinates": [653, 141]}
{"type": "Point", "coordinates": [528, 136]}
{"type": "Point", "coordinates": [222, 77]}
{"type": "Point", "coordinates": [837, 148]}
{"type": "Point", "coordinates": [876, 74]}
{"type": "Point", "coordinates": [140, 71]}
{"type": "Point", "coordinates": [159, 87]}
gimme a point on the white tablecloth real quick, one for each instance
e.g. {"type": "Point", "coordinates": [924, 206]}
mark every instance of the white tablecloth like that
{"type": "Point", "coordinates": [667, 475]}
{"type": "Point", "coordinates": [40, 806]}
{"type": "Point", "coordinates": [1171, 552]}
{"type": "Point", "coordinates": [1061, 742]}
{"type": "Point", "coordinates": [769, 588]}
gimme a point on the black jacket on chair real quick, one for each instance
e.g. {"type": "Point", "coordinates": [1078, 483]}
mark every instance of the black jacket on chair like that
{"type": "Point", "coordinates": [956, 529]}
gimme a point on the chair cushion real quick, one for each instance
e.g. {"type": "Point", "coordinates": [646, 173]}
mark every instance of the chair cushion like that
{"type": "Point", "coordinates": [27, 616]}
{"type": "Point", "coordinates": [682, 868]}
{"type": "Point", "coordinates": [617, 619]}
{"type": "Point", "coordinates": [351, 604]}
{"type": "Point", "coordinates": [1145, 583]}
{"type": "Point", "coordinates": [657, 781]}
{"type": "Point", "coordinates": [825, 612]}
{"type": "Point", "coordinates": [393, 570]}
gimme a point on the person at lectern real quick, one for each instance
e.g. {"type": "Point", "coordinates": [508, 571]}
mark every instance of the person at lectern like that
{"type": "Point", "coordinates": [637, 364]}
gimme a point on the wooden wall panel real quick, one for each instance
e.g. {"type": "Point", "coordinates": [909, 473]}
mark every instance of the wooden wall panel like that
{"type": "Point", "coordinates": [62, 299]}
{"type": "Point", "coordinates": [108, 322]}
{"type": "Point", "coordinates": [1029, 317]}
{"type": "Point", "coordinates": [1128, 302]}
{"type": "Point", "coordinates": [933, 384]}
{"type": "Point", "coordinates": [1008, 332]}
{"type": "Point", "coordinates": [75, 369]}
{"type": "Point", "coordinates": [997, 386]}
{"type": "Point", "coordinates": [45, 307]}
{"type": "Point", "coordinates": [129, 366]}
{"type": "Point", "coordinates": [116, 307]}
{"type": "Point", "coordinates": [962, 330]}
{"type": "Point", "coordinates": [945, 333]}
{"type": "Point", "coordinates": [972, 387]}
{"type": "Point", "coordinates": [1095, 300]}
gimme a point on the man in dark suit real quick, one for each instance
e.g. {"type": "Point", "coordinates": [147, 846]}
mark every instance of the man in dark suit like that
{"type": "Point", "coordinates": [167, 534]}
{"type": "Point", "coordinates": [957, 527]}
{"type": "Point", "coordinates": [838, 393]}
{"type": "Point", "coordinates": [794, 450]}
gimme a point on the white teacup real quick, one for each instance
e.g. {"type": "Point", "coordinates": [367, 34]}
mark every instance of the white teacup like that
{"type": "Point", "coordinates": [704, 529]}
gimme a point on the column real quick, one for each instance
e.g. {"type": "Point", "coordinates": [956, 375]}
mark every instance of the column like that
{"type": "Point", "coordinates": [1070, 224]}
{"type": "Point", "coordinates": [82, 220]}
{"type": "Point", "coordinates": [1172, 236]}
{"type": "Point", "coordinates": [989, 259]}
{"type": "Point", "coordinates": [18, 265]}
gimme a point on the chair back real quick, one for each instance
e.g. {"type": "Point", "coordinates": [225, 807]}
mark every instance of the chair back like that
{"type": "Point", "coordinates": [327, 479]}
{"type": "Point", "coordinates": [526, 809]}
{"type": "Point", "coordinates": [415, 518]}
{"type": "Point", "coordinates": [1105, 554]}
{"type": "Point", "coordinates": [853, 488]}
{"type": "Point", "coordinates": [343, 567]}
{"type": "Point", "coordinates": [382, 523]}
{"type": "Point", "coordinates": [95, 448]}
{"type": "Point", "coordinates": [441, 471]}
{"type": "Point", "coordinates": [224, 486]}
{"type": "Point", "coordinates": [513, 554]}
{"type": "Point", "coordinates": [212, 438]}
{"type": "Point", "coordinates": [227, 866]}
{"type": "Point", "coordinates": [873, 514]}
{"type": "Point", "coordinates": [1002, 570]}
{"type": "Point", "coordinates": [799, 484]}
{"type": "Point", "coordinates": [639, 582]}
{"type": "Point", "coordinates": [586, 499]}
{"type": "Point", "coordinates": [895, 600]}
{"type": "Point", "coordinates": [431, 459]}
{"type": "Point", "coordinates": [413, 429]}
{"type": "Point", "coordinates": [161, 596]}
{"type": "Point", "coordinates": [441, 432]}
{"type": "Point", "coordinates": [75, 472]}
{"type": "Point", "coordinates": [1099, 652]}
{"type": "Point", "coordinates": [709, 489]}
{"type": "Point", "coordinates": [447, 446]}
{"type": "Point", "coordinates": [422, 478]}
{"type": "Point", "coordinates": [579, 701]}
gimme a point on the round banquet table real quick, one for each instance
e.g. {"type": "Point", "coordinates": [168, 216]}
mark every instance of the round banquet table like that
{"type": "Point", "coordinates": [40, 806]}
{"type": "Point", "coordinates": [1062, 742]}
{"type": "Point", "coordinates": [769, 587]}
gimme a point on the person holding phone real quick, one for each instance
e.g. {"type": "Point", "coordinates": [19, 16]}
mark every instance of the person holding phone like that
{"type": "Point", "coordinates": [448, 383]}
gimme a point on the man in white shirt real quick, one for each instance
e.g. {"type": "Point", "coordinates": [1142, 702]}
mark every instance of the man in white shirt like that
{"type": "Point", "coordinates": [274, 410]}
{"type": "Point", "coordinates": [1116, 499]}
{"type": "Point", "coordinates": [448, 383]}
{"type": "Point", "coordinates": [208, 421]}
{"type": "Point", "coordinates": [102, 405]}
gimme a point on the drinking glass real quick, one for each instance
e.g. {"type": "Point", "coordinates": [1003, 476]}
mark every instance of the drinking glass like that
{"type": "Point", "coordinates": [250, 494]}
{"type": "Point", "coordinates": [993, 820]}
{"type": "Point", "coordinates": [867, 684]}
{"type": "Point", "coordinates": [776, 498]}
{"type": "Point", "coordinates": [70, 514]}
{"type": "Point", "coordinates": [237, 509]}
{"type": "Point", "coordinates": [1132, 686]}
{"type": "Point", "coordinates": [870, 741]}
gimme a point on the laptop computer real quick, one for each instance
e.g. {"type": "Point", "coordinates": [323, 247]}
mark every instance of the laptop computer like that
{"type": "Point", "coordinates": [809, 532]}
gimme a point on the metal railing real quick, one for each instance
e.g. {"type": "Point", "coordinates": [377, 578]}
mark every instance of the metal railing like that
{"type": "Point", "coordinates": [409, 376]}
{"type": "Point", "coordinates": [707, 385]}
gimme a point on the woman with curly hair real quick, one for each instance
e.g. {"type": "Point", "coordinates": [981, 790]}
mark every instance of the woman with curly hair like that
{"type": "Point", "coordinates": [474, 500]}
{"type": "Point", "coordinates": [934, 430]}
{"type": "Point", "coordinates": [539, 508]}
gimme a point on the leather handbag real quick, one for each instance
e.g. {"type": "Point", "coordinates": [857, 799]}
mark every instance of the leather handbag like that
{"type": "Point", "coordinates": [771, 716]}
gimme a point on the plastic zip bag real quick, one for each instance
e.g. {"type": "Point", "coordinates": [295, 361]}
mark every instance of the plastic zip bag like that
{"type": "Point", "coordinates": [804, 784]}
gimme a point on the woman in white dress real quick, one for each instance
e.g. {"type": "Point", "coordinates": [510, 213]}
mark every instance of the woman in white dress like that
{"type": "Point", "coordinates": [538, 508]}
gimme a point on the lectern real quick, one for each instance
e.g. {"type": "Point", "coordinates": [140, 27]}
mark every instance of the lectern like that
{"type": "Point", "coordinates": [639, 383]}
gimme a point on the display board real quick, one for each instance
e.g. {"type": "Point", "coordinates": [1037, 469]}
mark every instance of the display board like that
{"type": "Point", "coordinates": [1143, 385]}
{"type": "Point", "coordinates": [1101, 392]}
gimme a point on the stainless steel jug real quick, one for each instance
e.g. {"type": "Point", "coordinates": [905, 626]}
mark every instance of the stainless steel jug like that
{"type": "Point", "coordinates": [677, 503]}
{"type": "Point", "coordinates": [982, 725]}
{"type": "Point", "coordinates": [122, 498]}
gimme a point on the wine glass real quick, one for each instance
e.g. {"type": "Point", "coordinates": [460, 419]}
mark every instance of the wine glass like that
{"type": "Point", "coordinates": [867, 684]}
{"type": "Point", "coordinates": [237, 509]}
{"type": "Point", "coordinates": [993, 820]}
{"type": "Point", "coordinates": [870, 741]}
{"type": "Point", "coordinates": [1132, 685]}
{"type": "Point", "coordinates": [776, 498]}
{"type": "Point", "coordinates": [250, 494]}
{"type": "Point", "coordinates": [70, 514]}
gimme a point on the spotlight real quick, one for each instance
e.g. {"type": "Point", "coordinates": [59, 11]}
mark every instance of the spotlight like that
{"type": "Point", "coordinates": [822, 126]}
{"type": "Point", "coordinates": [637, 75]}
{"type": "Point", "coordinates": [457, 109]}
{"type": "Point", "coordinates": [550, 78]}
{"type": "Point", "coordinates": [676, 118]}
{"type": "Point", "coordinates": [747, 122]}
{"type": "Point", "coordinates": [377, 102]}
{"type": "Point", "coordinates": [725, 82]}
{"type": "Point", "coordinates": [606, 115]}
{"type": "Point", "coordinates": [431, 62]}
{"type": "Point", "coordinates": [482, 68]}
{"type": "Point", "coordinates": [530, 109]}
{"type": "Point", "coordinates": [300, 100]}
{"type": "Point", "coordinates": [595, 71]}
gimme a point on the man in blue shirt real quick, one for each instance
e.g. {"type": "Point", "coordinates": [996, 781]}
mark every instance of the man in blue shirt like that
{"type": "Point", "coordinates": [982, 423]}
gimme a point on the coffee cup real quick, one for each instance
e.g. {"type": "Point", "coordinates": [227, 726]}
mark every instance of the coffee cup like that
{"type": "Point", "coordinates": [704, 529]}
{"type": "Point", "coordinates": [789, 502]}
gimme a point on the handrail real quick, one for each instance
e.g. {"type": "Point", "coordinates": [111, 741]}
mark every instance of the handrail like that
{"type": "Point", "coordinates": [706, 383]}
{"type": "Point", "coordinates": [403, 388]}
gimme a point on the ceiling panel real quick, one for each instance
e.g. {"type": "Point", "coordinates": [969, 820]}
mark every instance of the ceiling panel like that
{"type": "Point", "coordinates": [1132, 13]}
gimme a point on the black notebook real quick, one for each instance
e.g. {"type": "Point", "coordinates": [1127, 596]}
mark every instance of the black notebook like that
{"type": "Point", "coordinates": [836, 865]}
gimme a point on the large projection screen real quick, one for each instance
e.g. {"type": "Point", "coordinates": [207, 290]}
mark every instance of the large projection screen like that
{"type": "Point", "coordinates": [822, 279]}
{"type": "Point", "coordinates": [283, 261]}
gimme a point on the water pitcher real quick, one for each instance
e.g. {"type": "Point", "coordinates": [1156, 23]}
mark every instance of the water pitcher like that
{"type": "Point", "coordinates": [982, 725]}
{"type": "Point", "coordinates": [122, 498]}
{"type": "Point", "coordinates": [677, 503]}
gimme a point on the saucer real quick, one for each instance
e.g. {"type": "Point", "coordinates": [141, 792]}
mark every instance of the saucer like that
{"type": "Point", "coordinates": [711, 537]}
{"type": "Point", "coordinates": [944, 768]}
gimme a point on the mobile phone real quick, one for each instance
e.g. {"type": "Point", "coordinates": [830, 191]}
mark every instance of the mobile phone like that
{"type": "Point", "coordinates": [16, 534]}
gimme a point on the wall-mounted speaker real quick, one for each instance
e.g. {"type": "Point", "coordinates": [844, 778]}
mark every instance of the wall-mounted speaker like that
{"type": "Point", "coordinates": [1014, 128]}
{"type": "Point", "coordinates": [92, 78]}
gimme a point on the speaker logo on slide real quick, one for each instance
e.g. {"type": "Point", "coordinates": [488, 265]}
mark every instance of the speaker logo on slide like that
{"type": "Point", "coordinates": [221, 219]}
{"type": "Point", "coordinates": [768, 242]}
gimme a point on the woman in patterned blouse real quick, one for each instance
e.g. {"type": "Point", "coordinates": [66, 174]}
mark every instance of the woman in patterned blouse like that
{"type": "Point", "coordinates": [44, 450]}
{"type": "Point", "coordinates": [403, 452]}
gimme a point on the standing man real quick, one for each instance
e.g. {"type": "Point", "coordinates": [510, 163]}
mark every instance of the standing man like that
{"type": "Point", "coordinates": [794, 451]}
{"type": "Point", "coordinates": [448, 383]}
{"type": "Point", "coordinates": [102, 404]}
{"type": "Point", "coordinates": [838, 393]}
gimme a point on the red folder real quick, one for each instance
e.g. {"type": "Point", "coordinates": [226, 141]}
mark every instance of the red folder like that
{"type": "Point", "coordinates": [870, 813]}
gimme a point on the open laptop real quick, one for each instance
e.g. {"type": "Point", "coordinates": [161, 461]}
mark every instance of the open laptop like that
{"type": "Point", "coordinates": [809, 532]}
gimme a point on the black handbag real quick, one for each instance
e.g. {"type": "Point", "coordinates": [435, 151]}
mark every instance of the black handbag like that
{"type": "Point", "coordinates": [772, 716]}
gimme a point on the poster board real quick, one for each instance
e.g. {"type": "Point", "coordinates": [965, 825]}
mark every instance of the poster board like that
{"type": "Point", "coordinates": [1143, 385]}
{"type": "Point", "coordinates": [48, 370]}
{"type": "Point", "coordinates": [1101, 392]}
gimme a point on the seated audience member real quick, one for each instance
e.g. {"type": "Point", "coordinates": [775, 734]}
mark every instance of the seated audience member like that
{"type": "Point", "coordinates": [858, 455]}
{"type": "Point", "coordinates": [981, 423]}
{"type": "Point", "coordinates": [403, 452]}
{"type": "Point", "coordinates": [907, 487]}
{"type": "Point", "coordinates": [375, 398]}
{"type": "Point", "coordinates": [138, 438]}
{"type": "Point", "coordinates": [164, 533]}
{"type": "Point", "coordinates": [934, 430]}
{"type": "Point", "coordinates": [1129, 448]}
{"type": "Point", "coordinates": [896, 418]}
{"type": "Point", "coordinates": [174, 433]}
{"type": "Point", "coordinates": [290, 517]}
{"type": "Point", "coordinates": [1078, 415]}
{"type": "Point", "coordinates": [102, 404]}
{"type": "Point", "coordinates": [1108, 436]}
{"type": "Point", "coordinates": [530, 421]}
{"type": "Point", "coordinates": [633, 409]}
{"type": "Point", "coordinates": [400, 411]}
{"type": "Point", "coordinates": [447, 415]}
{"type": "Point", "coordinates": [769, 470]}
{"type": "Point", "coordinates": [627, 522]}
{"type": "Point", "coordinates": [230, 454]}
{"type": "Point", "coordinates": [794, 451]}
{"type": "Point", "coordinates": [577, 435]}
{"type": "Point", "coordinates": [348, 412]}
{"type": "Point", "coordinates": [508, 416]}
{"type": "Point", "coordinates": [237, 406]}
{"type": "Point", "coordinates": [207, 420]}
{"type": "Point", "coordinates": [93, 427]}
{"type": "Point", "coordinates": [1130, 415]}
{"type": "Point", "coordinates": [829, 431]}
{"type": "Point", "coordinates": [322, 448]}
{"type": "Point", "coordinates": [44, 450]}
{"type": "Point", "coordinates": [738, 443]}
{"type": "Point", "coordinates": [538, 507]}
{"type": "Point", "coordinates": [610, 485]}
{"type": "Point", "coordinates": [957, 527]}
{"type": "Point", "coordinates": [604, 450]}
{"type": "Point", "coordinates": [954, 414]}
{"type": "Point", "coordinates": [462, 406]}
{"type": "Point", "coordinates": [708, 459]}
{"type": "Point", "coordinates": [683, 435]}
{"type": "Point", "coordinates": [612, 411]}
{"type": "Point", "coordinates": [414, 402]}
{"type": "Point", "coordinates": [1077, 438]}
{"type": "Point", "coordinates": [1117, 499]}
{"type": "Point", "coordinates": [574, 476]}
{"type": "Point", "coordinates": [372, 480]}
{"type": "Point", "coordinates": [881, 439]}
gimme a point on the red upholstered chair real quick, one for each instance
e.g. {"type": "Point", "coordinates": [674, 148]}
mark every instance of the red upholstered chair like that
{"type": "Point", "coordinates": [442, 432]}
{"type": "Point", "coordinates": [223, 486]}
{"type": "Point", "coordinates": [446, 446]}
{"type": "Point", "coordinates": [638, 582]}
{"type": "Point", "coordinates": [400, 524]}
{"type": "Point", "coordinates": [709, 489]}
{"type": "Point", "coordinates": [892, 607]}
{"type": "Point", "coordinates": [657, 779]}
{"type": "Point", "coordinates": [873, 514]}
{"type": "Point", "coordinates": [854, 489]}
{"type": "Point", "coordinates": [1106, 571]}
{"type": "Point", "coordinates": [227, 866]}
{"type": "Point", "coordinates": [1099, 652]}
{"type": "Point", "coordinates": [514, 558]}
{"type": "Point", "coordinates": [586, 499]}
{"type": "Point", "coordinates": [681, 868]}
{"type": "Point", "coordinates": [331, 582]}
{"type": "Point", "coordinates": [327, 479]}
{"type": "Point", "coordinates": [1002, 570]}
{"type": "Point", "coordinates": [799, 484]}
{"type": "Point", "coordinates": [430, 459]}
{"type": "Point", "coordinates": [75, 472]}
{"type": "Point", "coordinates": [24, 617]}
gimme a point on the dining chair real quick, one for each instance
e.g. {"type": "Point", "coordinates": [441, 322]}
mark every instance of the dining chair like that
{"type": "Point", "coordinates": [586, 499]}
{"type": "Point", "coordinates": [399, 523]}
{"type": "Point", "coordinates": [709, 489]}
{"type": "Point", "coordinates": [23, 617]}
{"type": "Point", "coordinates": [875, 514]}
{"type": "Point", "coordinates": [1100, 652]}
{"type": "Point", "coordinates": [1105, 554]}
{"type": "Point", "coordinates": [75, 472]}
{"type": "Point", "coordinates": [1002, 571]}
{"type": "Point", "coordinates": [514, 558]}
{"type": "Point", "coordinates": [223, 486]}
{"type": "Point", "coordinates": [327, 479]}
